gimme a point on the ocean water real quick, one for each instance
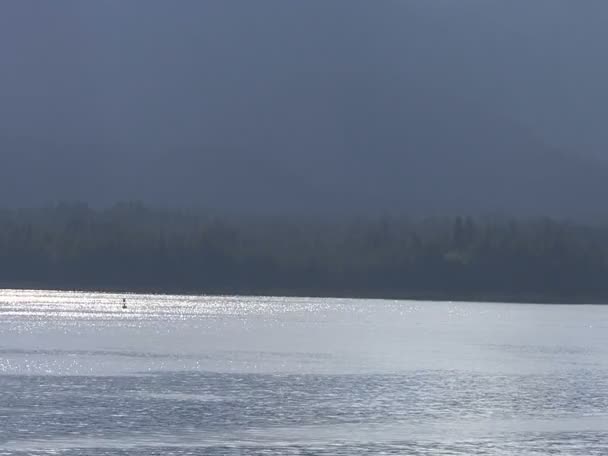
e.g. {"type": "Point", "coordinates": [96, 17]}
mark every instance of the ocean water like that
{"type": "Point", "coordinates": [178, 375]}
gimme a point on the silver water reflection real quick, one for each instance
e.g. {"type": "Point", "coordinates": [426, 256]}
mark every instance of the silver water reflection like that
{"type": "Point", "coordinates": [228, 375]}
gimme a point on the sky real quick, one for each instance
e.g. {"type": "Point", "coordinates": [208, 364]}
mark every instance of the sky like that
{"type": "Point", "coordinates": [278, 80]}
{"type": "Point", "coordinates": [113, 69]}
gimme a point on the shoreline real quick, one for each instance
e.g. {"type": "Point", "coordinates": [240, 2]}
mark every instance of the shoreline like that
{"type": "Point", "coordinates": [497, 298]}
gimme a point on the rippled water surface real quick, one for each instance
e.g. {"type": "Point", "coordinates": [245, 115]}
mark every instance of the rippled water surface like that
{"type": "Point", "coordinates": [175, 375]}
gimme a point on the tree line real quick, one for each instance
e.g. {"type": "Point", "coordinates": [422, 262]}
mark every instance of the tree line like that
{"type": "Point", "coordinates": [133, 247]}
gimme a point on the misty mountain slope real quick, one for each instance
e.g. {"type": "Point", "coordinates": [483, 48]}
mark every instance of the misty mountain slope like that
{"type": "Point", "coordinates": [456, 167]}
{"type": "Point", "coordinates": [421, 107]}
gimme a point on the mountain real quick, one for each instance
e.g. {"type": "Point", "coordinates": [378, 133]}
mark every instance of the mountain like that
{"type": "Point", "coordinates": [402, 165]}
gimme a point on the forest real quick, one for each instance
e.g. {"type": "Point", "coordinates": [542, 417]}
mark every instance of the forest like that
{"type": "Point", "coordinates": [131, 247]}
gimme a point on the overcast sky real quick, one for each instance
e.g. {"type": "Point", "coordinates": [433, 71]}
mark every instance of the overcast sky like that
{"type": "Point", "coordinates": [200, 71]}
{"type": "Point", "coordinates": [299, 102]}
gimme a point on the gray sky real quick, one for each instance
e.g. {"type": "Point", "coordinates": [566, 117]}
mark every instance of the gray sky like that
{"type": "Point", "coordinates": [180, 72]}
{"type": "Point", "coordinates": [284, 79]}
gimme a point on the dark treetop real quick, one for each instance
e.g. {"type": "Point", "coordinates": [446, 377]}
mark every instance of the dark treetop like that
{"type": "Point", "coordinates": [131, 247]}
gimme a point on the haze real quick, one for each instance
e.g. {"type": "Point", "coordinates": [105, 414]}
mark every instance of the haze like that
{"type": "Point", "coordinates": [345, 106]}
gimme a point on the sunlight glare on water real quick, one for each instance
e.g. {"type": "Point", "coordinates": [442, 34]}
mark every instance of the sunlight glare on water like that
{"type": "Point", "coordinates": [189, 375]}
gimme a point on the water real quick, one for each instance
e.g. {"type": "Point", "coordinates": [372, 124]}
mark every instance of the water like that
{"type": "Point", "coordinates": [175, 375]}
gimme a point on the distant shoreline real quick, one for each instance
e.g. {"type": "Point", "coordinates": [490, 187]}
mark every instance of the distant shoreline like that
{"type": "Point", "coordinates": [130, 248]}
{"type": "Point", "coordinates": [523, 298]}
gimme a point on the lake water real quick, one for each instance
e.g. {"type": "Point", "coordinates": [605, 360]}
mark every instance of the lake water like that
{"type": "Point", "coordinates": [176, 375]}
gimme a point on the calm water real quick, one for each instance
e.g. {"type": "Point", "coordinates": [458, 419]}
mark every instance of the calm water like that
{"type": "Point", "coordinates": [177, 375]}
